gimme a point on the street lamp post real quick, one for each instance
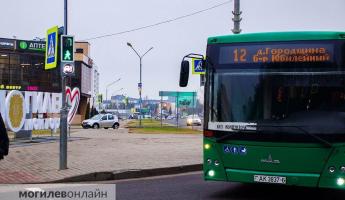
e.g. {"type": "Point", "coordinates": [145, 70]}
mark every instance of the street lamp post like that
{"type": "Point", "coordinates": [110, 84]}
{"type": "Point", "coordinates": [140, 81]}
{"type": "Point", "coordinates": [117, 91]}
{"type": "Point", "coordinates": [114, 94]}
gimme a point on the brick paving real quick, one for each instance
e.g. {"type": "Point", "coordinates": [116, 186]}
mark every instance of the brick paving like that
{"type": "Point", "coordinates": [103, 150]}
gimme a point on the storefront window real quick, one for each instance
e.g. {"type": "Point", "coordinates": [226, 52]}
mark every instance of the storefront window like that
{"type": "Point", "coordinates": [26, 72]}
{"type": "Point", "coordinates": [4, 70]}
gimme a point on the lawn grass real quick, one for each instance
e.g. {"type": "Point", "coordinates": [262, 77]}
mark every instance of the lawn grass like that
{"type": "Point", "coordinates": [154, 127]}
{"type": "Point", "coordinates": [164, 130]}
{"type": "Point", "coordinates": [147, 123]}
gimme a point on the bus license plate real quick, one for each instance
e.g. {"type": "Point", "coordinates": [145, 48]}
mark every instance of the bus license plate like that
{"type": "Point", "coordinates": [270, 179]}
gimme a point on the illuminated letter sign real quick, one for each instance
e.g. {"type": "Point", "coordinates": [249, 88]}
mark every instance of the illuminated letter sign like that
{"type": "Point", "coordinates": [73, 98]}
{"type": "Point", "coordinates": [16, 105]}
{"type": "Point", "coordinates": [276, 53]}
{"type": "Point", "coordinates": [15, 110]}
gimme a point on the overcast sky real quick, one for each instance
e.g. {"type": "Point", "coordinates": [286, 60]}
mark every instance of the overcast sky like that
{"type": "Point", "coordinates": [26, 19]}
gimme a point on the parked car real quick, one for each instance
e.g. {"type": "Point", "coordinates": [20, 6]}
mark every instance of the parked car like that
{"type": "Point", "coordinates": [193, 120]}
{"type": "Point", "coordinates": [171, 117]}
{"type": "Point", "coordinates": [158, 117]}
{"type": "Point", "coordinates": [184, 116]}
{"type": "Point", "coordinates": [102, 121]}
{"type": "Point", "coordinates": [147, 116]}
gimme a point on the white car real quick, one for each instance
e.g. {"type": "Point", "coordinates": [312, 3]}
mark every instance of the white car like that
{"type": "Point", "coordinates": [171, 117]}
{"type": "Point", "coordinates": [193, 120]}
{"type": "Point", "coordinates": [102, 121]}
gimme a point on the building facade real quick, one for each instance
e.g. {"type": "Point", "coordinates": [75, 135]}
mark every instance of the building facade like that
{"type": "Point", "coordinates": [22, 67]}
{"type": "Point", "coordinates": [95, 87]}
{"type": "Point", "coordinates": [83, 80]}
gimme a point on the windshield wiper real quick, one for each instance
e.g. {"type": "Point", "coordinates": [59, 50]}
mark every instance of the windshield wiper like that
{"type": "Point", "coordinates": [319, 139]}
{"type": "Point", "coordinates": [246, 130]}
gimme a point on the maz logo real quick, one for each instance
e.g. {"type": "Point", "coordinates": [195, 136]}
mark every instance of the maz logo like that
{"type": "Point", "coordinates": [270, 160]}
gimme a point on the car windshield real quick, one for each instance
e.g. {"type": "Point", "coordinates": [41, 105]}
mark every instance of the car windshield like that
{"type": "Point", "coordinates": [97, 117]}
{"type": "Point", "coordinates": [312, 98]}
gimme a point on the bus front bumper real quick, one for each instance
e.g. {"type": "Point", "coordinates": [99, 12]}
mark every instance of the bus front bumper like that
{"type": "Point", "coordinates": [292, 179]}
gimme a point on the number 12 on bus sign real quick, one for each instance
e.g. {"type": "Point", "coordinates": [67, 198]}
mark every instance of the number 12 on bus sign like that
{"type": "Point", "coordinates": [240, 55]}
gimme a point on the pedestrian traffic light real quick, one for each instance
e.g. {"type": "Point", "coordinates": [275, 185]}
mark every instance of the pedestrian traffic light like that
{"type": "Point", "coordinates": [99, 98]}
{"type": "Point", "coordinates": [67, 48]}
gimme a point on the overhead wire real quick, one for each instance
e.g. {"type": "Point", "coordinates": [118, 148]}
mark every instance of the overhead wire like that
{"type": "Point", "coordinates": [159, 23]}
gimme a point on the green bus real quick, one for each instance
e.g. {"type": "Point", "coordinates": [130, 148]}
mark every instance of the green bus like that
{"type": "Point", "coordinates": [274, 108]}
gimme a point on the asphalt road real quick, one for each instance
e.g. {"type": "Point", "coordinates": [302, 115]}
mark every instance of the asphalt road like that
{"type": "Point", "coordinates": [193, 187]}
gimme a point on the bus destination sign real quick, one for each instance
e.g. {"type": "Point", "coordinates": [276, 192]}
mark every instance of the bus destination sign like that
{"type": "Point", "coordinates": [280, 53]}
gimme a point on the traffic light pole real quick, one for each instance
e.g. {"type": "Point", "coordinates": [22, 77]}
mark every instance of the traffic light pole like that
{"type": "Point", "coordinates": [237, 17]}
{"type": "Point", "coordinates": [64, 109]}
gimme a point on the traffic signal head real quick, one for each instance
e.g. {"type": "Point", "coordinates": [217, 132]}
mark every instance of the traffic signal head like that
{"type": "Point", "coordinates": [67, 48]}
{"type": "Point", "coordinates": [100, 98]}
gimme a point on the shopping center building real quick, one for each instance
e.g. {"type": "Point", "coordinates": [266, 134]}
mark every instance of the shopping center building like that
{"type": "Point", "coordinates": [22, 68]}
{"type": "Point", "coordinates": [83, 80]}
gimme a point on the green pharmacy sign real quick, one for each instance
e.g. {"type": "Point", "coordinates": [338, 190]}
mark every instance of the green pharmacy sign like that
{"type": "Point", "coordinates": [26, 45]}
{"type": "Point", "coordinates": [23, 45]}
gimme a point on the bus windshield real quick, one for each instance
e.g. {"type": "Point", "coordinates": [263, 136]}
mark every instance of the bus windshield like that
{"type": "Point", "coordinates": [313, 98]}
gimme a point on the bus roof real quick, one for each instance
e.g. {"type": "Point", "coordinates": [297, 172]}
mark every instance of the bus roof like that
{"type": "Point", "coordinates": [277, 36]}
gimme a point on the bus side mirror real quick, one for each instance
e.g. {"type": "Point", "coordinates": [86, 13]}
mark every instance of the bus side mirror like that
{"type": "Point", "coordinates": [184, 73]}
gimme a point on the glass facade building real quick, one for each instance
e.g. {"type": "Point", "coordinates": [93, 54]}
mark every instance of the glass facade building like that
{"type": "Point", "coordinates": [22, 67]}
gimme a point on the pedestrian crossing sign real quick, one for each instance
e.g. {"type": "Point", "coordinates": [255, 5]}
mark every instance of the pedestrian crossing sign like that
{"type": "Point", "coordinates": [51, 48]}
{"type": "Point", "coordinates": [197, 67]}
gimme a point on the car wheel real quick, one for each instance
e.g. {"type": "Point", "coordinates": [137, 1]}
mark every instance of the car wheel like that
{"type": "Point", "coordinates": [116, 126]}
{"type": "Point", "coordinates": [105, 127]}
{"type": "Point", "coordinates": [95, 126]}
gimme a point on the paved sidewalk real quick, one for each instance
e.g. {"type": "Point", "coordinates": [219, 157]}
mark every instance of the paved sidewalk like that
{"type": "Point", "coordinates": [103, 150]}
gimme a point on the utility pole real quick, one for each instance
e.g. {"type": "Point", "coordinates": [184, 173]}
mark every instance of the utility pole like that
{"type": "Point", "coordinates": [237, 17]}
{"type": "Point", "coordinates": [140, 80]}
{"type": "Point", "coordinates": [64, 109]}
{"type": "Point", "coordinates": [107, 86]}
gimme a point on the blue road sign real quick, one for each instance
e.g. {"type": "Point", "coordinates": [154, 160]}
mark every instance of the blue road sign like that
{"type": "Point", "coordinates": [197, 67]}
{"type": "Point", "coordinates": [51, 48]}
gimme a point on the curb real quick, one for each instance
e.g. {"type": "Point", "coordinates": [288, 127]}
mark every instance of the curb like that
{"type": "Point", "coordinates": [130, 174]}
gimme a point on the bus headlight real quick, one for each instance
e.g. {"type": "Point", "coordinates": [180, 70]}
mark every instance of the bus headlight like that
{"type": "Point", "coordinates": [340, 181]}
{"type": "Point", "coordinates": [216, 163]}
{"type": "Point", "coordinates": [207, 146]}
{"type": "Point", "coordinates": [211, 173]}
{"type": "Point", "coordinates": [209, 161]}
